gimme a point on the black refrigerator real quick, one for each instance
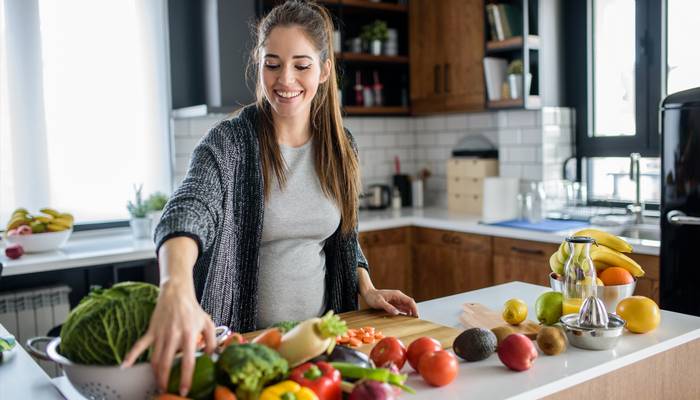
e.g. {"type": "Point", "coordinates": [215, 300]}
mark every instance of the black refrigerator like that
{"type": "Point", "coordinates": [680, 202]}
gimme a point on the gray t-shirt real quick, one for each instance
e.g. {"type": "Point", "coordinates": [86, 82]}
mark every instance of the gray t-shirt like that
{"type": "Point", "coordinates": [297, 221]}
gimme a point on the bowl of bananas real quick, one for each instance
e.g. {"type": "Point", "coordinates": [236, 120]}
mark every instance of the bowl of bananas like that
{"type": "Point", "coordinates": [38, 232]}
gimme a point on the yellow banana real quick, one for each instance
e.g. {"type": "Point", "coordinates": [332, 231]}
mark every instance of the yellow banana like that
{"type": "Point", "coordinates": [68, 216]}
{"type": "Point", "coordinates": [43, 218]}
{"type": "Point", "coordinates": [51, 227]}
{"type": "Point", "coordinates": [62, 221]}
{"type": "Point", "coordinates": [51, 212]}
{"type": "Point", "coordinates": [555, 265]}
{"type": "Point", "coordinates": [562, 253]}
{"type": "Point", "coordinates": [606, 239]}
{"type": "Point", "coordinates": [611, 257]}
{"type": "Point", "coordinates": [21, 211]}
{"type": "Point", "coordinates": [18, 221]}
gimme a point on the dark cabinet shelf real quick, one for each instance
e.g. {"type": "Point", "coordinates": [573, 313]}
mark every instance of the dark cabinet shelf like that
{"type": "Point", "coordinates": [514, 43]}
{"type": "Point", "coordinates": [370, 58]}
{"type": "Point", "coordinates": [368, 5]}
{"type": "Point", "coordinates": [386, 110]}
{"type": "Point", "coordinates": [533, 102]}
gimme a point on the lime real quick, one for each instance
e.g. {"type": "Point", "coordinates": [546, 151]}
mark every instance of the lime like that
{"type": "Point", "coordinates": [549, 307]}
{"type": "Point", "coordinates": [514, 311]}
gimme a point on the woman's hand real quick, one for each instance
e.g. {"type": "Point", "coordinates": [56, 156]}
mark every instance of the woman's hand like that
{"type": "Point", "coordinates": [177, 321]}
{"type": "Point", "coordinates": [391, 301]}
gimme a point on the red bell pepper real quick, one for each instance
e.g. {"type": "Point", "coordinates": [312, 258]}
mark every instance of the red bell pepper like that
{"type": "Point", "coordinates": [320, 377]}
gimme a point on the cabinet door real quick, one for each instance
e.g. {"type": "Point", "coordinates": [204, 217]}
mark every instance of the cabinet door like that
{"type": "Point", "coordinates": [435, 273]}
{"type": "Point", "coordinates": [521, 260]}
{"type": "Point", "coordinates": [463, 39]}
{"type": "Point", "coordinates": [388, 253]}
{"type": "Point", "coordinates": [426, 56]}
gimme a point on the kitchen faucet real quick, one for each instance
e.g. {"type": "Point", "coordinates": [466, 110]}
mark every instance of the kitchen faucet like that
{"type": "Point", "coordinates": [637, 208]}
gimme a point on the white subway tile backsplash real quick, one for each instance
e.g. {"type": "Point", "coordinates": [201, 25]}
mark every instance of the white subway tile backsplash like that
{"type": "Point", "coordinates": [406, 139]}
{"type": "Point", "coordinates": [184, 146]}
{"type": "Point", "coordinates": [425, 139]}
{"type": "Point", "coordinates": [200, 126]}
{"type": "Point", "coordinates": [457, 122]}
{"type": "Point", "coordinates": [449, 138]}
{"type": "Point", "coordinates": [436, 123]}
{"type": "Point", "coordinates": [510, 170]}
{"type": "Point", "coordinates": [363, 140]}
{"type": "Point", "coordinates": [374, 124]}
{"type": "Point", "coordinates": [523, 154]}
{"type": "Point", "coordinates": [522, 118]}
{"type": "Point", "coordinates": [399, 125]}
{"type": "Point", "coordinates": [509, 136]}
{"type": "Point", "coordinates": [480, 120]}
{"type": "Point", "coordinates": [353, 124]}
{"type": "Point", "coordinates": [181, 127]}
{"type": "Point", "coordinates": [531, 136]}
{"type": "Point", "coordinates": [533, 172]}
{"type": "Point", "coordinates": [388, 140]}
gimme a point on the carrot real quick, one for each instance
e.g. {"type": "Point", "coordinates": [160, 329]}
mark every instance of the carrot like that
{"type": "Point", "coordinates": [170, 396]}
{"type": "Point", "coordinates": [223, 393]}
{"type": "Point", "coordinates": [355, 342]}
{"type": "Point", "coordinates": [369, 329]}
{"type": "Point", "coordinates": [269, 337]}
{"type": "Point", "coordinates": [378, 336]}
{"type": "Point", "coordinates": [368, 339]}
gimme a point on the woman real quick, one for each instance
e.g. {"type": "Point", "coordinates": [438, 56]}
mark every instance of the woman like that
{"type": "Point", "coordinates": [263, 227]}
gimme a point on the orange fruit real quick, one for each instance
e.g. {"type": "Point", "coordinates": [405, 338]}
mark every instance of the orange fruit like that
{"type": "Point", "coordinates": [641, 313]}
{"type": "Point", "coordinates": [615, 276]}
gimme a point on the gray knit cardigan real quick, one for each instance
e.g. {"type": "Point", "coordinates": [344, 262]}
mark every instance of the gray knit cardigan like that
{"type": "Point", "coordinates": [220, 205]}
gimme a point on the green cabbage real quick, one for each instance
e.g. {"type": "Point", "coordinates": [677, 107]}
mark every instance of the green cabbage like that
{"type": "Point", "coordinates": [107, 323]}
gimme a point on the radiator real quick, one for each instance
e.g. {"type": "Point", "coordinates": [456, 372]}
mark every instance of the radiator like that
{"type": "Point", "coordinates": [30, 313]}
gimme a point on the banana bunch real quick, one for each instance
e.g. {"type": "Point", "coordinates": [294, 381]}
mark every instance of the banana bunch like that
{"type": "Point", "coordinates": [608, 253]}
{"type": "Point", "coordinates": [49, 220]}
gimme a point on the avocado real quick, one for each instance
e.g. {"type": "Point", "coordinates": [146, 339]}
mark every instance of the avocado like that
{"type": "Point", "coordinates": [475, 344]}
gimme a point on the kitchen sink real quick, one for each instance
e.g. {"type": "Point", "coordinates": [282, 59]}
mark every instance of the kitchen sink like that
{"type": "Point", "coordinates": [642, 231]}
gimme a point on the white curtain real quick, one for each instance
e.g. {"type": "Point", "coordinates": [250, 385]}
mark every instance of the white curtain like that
{"type": "Point", "coordinates": [84, 100]}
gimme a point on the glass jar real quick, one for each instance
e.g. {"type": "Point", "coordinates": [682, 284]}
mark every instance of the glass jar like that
{"type": "Point", "coordinates": [534, 203]}
{"type": "Point", "coordinates": [579, 274]}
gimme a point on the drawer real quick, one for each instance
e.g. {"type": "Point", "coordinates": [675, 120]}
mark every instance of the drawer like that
{"type": "Point", "coordinates": [465, 203]}
{"type": "Point", "coordinates": [384, 237]}
{"type": "Point", "coordinates": [524, 248]}
{"type": "Point", "coordinates": [465, 185]}
{"type": "Point", "coordinates": [471, 167]}
{"type": "Point", "coordinates": [463, 241]}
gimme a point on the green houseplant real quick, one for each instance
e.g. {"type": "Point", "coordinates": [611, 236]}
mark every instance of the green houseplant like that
{"type": "Point", "coordinates": [138, 209]}
{"type": "Point", "coordinates": [374, 35]}
{"type": "Point", "coordinates": [515, 79]}
{"type": "Point", "coordinates": [156, 203]}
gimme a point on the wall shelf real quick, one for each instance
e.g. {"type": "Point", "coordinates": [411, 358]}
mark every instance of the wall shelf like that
{"type": "Point", "coordinates": [533, 102]}
{"type": "Point", "coordinates": [370, 58]}
{"type": "Point", "coordinates": [514, 43]}
{"type": "Point", "coordinates": [359, 110]}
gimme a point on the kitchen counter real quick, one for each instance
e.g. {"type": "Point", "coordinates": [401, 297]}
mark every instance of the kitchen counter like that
{"type": "Point", "coordinates": [489, 379]}
{"type": "Point", "coordinates": [116, 245]}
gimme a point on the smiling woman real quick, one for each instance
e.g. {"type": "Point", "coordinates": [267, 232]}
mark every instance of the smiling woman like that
{"type": "Point", "coordinates": [84, 100]}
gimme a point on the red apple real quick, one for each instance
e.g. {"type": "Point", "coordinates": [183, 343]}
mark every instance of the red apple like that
{"type": "Point", "coordinates": [14, 251]}
{"type": "Point", "coordinates": [517, 352]}
{"type": "Point", "coordinates": [12, 232]}
{"type": "Point", "coordinates": [24, 230]}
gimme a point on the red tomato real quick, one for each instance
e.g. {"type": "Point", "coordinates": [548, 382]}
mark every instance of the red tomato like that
{"type": "Point", "coordinates": [389, 350]}
{"type": "Point", "coordinates": [419, 347]}
{"type": "Point", "coordinates": [438, 368]}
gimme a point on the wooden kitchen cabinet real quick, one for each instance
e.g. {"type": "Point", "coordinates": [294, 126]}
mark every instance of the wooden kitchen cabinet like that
{"type": "Point", "coordinates": [446, 55]}
{"type": "Point", "coordinates": [448, 262]}
{"type": "Point", "coordinates": [521, 260]}
{"type": "Point", "coordinates": [388, 254]}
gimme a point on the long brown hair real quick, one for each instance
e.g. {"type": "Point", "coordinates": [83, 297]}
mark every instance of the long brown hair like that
{"type": "Point", "coordinates": [335, 158]}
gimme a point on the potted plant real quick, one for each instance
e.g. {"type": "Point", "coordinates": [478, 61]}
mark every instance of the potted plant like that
{"type": "Point", "coordinates": [515, 79]}
{"type": "Point", "coordinates": [374, 35]}
{"type": "Point", "coordinates": [138, 209]}
{"type": "Point", "coordinates": [156, 203]}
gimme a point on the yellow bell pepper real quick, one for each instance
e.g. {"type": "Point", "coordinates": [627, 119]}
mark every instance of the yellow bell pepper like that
{"type": "Point", "coordinates": [288, 390]}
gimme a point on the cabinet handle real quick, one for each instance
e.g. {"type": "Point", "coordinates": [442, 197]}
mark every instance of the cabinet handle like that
{"type": "Point", "coordinates": [447, 75]}
{"type": "Point", "coordinates": [456, 239]}
{"type": "Point", "coordinates": [436, 75]}
{"type": "Point", "coordinates": [526, 251]}
{"type": "Point", "coordinates": [446, 238]}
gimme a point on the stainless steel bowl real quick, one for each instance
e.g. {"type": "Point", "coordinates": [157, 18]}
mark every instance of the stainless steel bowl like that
{"type": "Point", "coordinates": [611, 295]}
{"type": "Point", "coordinates": [593, 338]}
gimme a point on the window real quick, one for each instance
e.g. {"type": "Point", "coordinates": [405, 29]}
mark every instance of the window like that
{"type": "Point", "coordinates": [84, 86]}
{"type": "Point", "coordinates": [683, 31]}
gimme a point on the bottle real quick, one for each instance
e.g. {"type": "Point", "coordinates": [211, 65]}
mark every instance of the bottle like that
{"type": "Point", "coordinates": [579, 274]}
{"type": "Point", "coordinates": [377, 89]}
{"type": "Point", "coordinates": [359, 98]}
{"type": "Point", "coordinates": [396, 199]}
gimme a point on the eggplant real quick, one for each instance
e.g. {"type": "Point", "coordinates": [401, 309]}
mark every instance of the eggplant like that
{"type": "Point", "coordinates": [348, 355]}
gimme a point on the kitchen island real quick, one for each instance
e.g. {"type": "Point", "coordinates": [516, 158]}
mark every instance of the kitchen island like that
{"type": "Point", "coordinates": [664, 363]}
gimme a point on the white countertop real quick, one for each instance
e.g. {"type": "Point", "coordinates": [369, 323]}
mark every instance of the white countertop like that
{"type": "Point", "coordinates": [487, 379]}
{"type": "Point", "coordinates": [490, 379]}
{"type": "Point", "coordinates": [116, 245]}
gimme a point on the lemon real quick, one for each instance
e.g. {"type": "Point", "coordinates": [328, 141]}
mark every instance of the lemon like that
{"type": "Point", "coordinates": [587, 280]}
{"type": "Point", "coordinates": [641, 313]}
{"type": "Point", "coordinates": [514, 311]}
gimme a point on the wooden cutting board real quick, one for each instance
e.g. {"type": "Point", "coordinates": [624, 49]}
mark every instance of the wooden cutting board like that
{"type": "Point", "coordinates": [475, 315]}
{"type": "Point", "coordinates": [405, 328]}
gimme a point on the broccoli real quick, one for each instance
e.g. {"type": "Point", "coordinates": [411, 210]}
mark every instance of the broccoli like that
{"type": "Point", "coordinates": [249, 367]}
{"type": "Point", "coordinates": [285, 326]}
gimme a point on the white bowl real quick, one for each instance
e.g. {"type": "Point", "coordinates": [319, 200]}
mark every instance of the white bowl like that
{"type": "Point", "coordinates": [39, 242]}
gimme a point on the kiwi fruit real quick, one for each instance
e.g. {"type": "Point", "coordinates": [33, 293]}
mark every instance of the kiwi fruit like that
{"type": "Point", "coordinates": [551, 340]}
{"type": "Point", "coordinates": [502, 332]}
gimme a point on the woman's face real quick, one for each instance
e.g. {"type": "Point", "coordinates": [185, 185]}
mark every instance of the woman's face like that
{"type": "Point", "coordinates": [291, 71]}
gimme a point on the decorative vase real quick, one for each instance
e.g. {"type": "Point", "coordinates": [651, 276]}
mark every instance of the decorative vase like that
{"type": "Point", "coordinates": [376, 47]}
{"type": "Point", "coordinates": [140, 227]}
{"type": "Point", "coordinates": [515, 83]}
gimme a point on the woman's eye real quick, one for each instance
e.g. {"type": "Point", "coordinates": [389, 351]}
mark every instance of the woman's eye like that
{"type": "Point", "coordinates": [303, 67]}
{"type": "Point", "coordinates": [272, 66]}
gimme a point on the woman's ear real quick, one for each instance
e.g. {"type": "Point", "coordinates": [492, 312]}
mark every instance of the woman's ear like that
{"type": "Point", "coordinates": [325, 71]}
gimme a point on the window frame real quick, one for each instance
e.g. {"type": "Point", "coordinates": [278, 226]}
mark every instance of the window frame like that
{"type": "Point", "coordinates": [650, 85]}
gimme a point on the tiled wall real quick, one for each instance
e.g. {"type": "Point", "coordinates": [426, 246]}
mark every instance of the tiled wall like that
{"type": "Point", "coordinates": [532, 144]}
